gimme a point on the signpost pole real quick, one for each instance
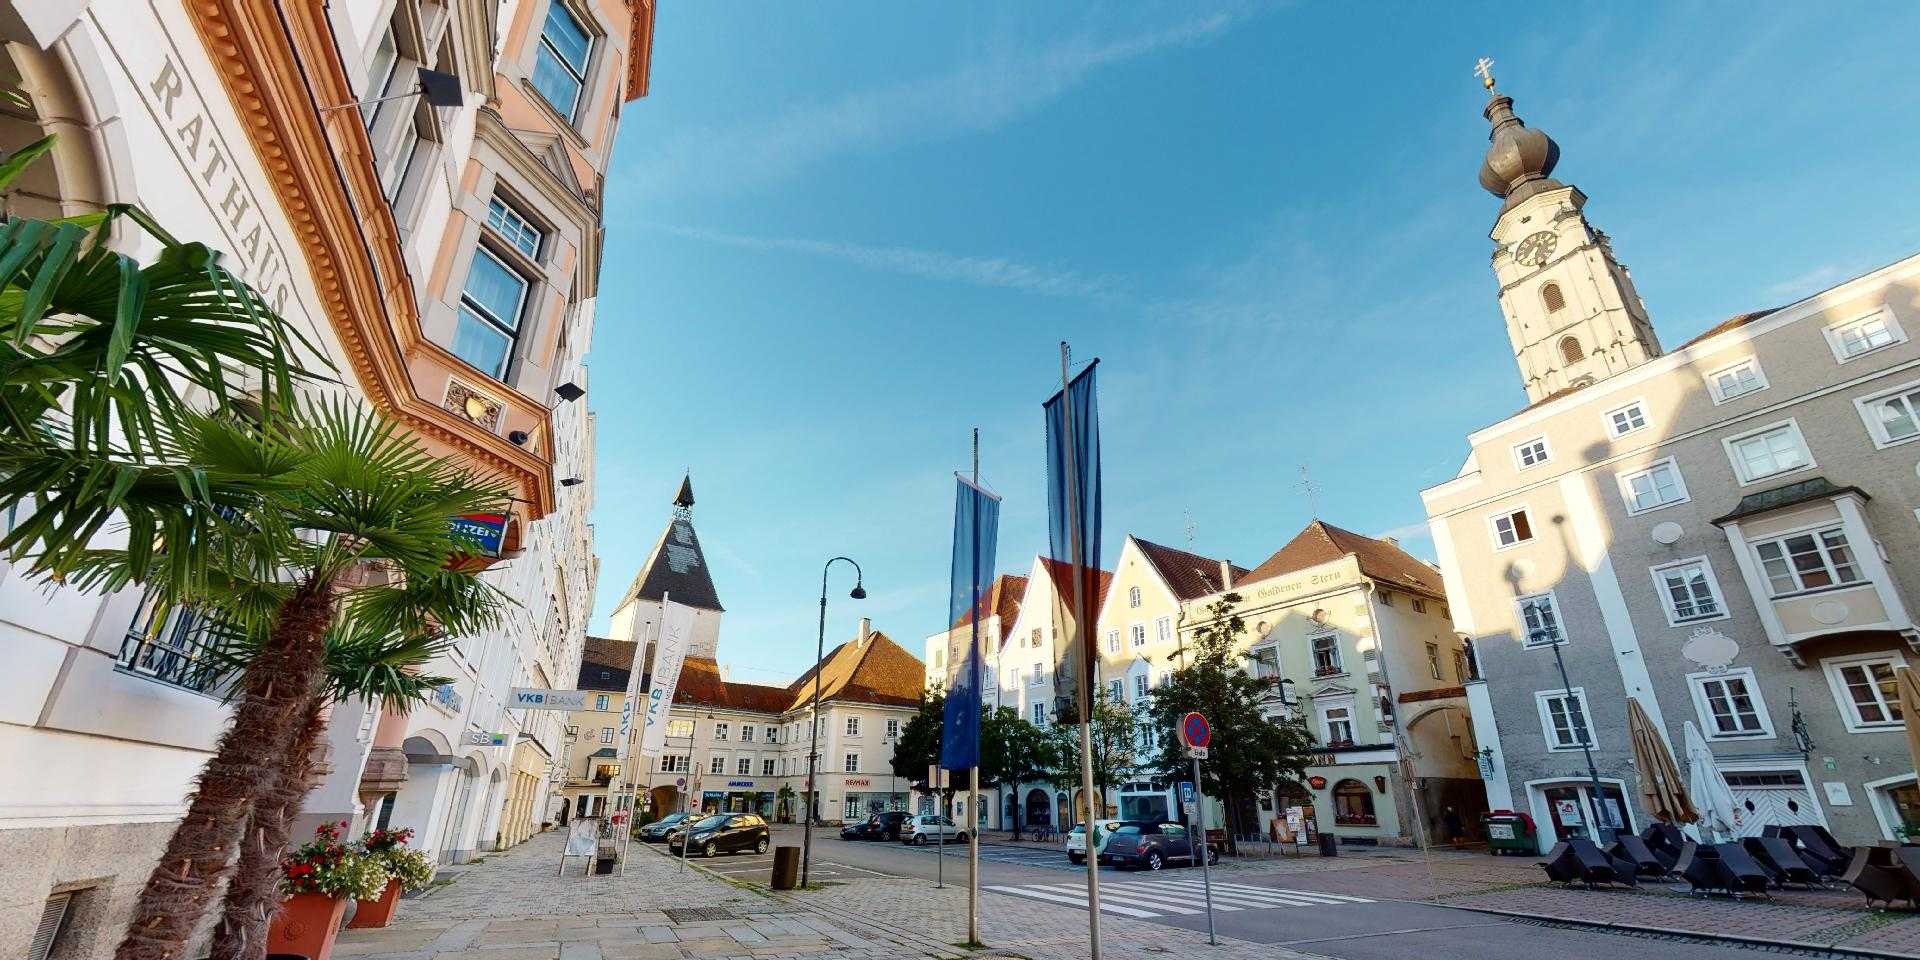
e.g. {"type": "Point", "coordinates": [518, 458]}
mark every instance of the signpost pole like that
{"type": "Point", "coordinates": [941, 811]}
{"type": "Point", "coordinates": [1205, 850]}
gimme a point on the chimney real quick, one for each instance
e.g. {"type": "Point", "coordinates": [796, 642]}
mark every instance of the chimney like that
{"type": "Point", "coordinates": [866, 629]}
{"type": "Point", "coordinates": [1390, 541]}
{"type": "Point", "coordinates": [1226, 576]}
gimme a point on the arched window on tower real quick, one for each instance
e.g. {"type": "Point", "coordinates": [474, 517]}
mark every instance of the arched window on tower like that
{"type": "Point", "coordinates": [1551, 296]}
{"type": "Point", "coordinates": [1570, 350]}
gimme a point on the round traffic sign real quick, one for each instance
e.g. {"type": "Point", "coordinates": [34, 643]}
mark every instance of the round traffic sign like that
{"type": "Point", "coordinates": [1195, 731]}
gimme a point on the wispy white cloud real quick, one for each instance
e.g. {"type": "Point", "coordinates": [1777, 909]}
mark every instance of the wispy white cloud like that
{"type": "Point", "coordinates": [1810, 282]}
{"type": "Point", "coordinates": [732, 558]}
{"type": "Point", "coordinates": [1411, 531]}
{"type": "Point", "coordinates": [993, 88]}
{"type": "Point", "coordinates": [930, 264]}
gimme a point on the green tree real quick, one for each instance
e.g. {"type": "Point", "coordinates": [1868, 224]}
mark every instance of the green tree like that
{"type": "Point", "coordinates": [1013, 752]}
{"type": "Point", "coordinates": [919, 745]}
{"type": "Point", "coordinates": [1114, 735]}
{"type": "Point", "coordinates": [1250, 752]}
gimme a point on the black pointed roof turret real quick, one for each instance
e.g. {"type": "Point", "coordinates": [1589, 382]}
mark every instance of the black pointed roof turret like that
{"type": "Point", "coordinates": [677, 568]}
{"type": "Point", "coordinates": [684, 499]}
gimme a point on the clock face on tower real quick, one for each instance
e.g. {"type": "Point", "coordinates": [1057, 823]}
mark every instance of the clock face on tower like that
{"type": "Point", "coordinates": [1536, 249]}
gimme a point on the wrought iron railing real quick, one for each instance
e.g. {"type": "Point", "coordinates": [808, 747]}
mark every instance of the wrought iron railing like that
{"type": "Point", "coordinates": [170, 645]}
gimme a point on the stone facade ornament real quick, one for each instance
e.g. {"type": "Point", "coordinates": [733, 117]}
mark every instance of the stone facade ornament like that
{"type": "Point", "coordinates": [1710, 648]}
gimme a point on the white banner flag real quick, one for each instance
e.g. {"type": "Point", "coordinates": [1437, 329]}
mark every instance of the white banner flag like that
{"type": "Point", "coordinates": [669, 652]}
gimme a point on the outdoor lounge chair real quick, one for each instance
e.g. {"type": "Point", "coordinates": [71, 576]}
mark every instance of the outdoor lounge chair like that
{"type": "Point", "coordinates": [1872, 872]}
{"type": "Point", "coordinates": [1745, 874]}
{"type": "Point", "coordinates": [1561, 865]}
{"type": "Point", "coordinates": [1906, 861]}
{"type": "Point", "coordinates": [1597, 867]}
{"type": "Point", "coordinates": [1777, 856]}
{"type": "Point", "coordinates": [1646, 862]}
{"type": "Point", "coordinates": [1701, 867]}
{"type": "Point", "coordinates": [1665, 839]}
{"type": "Point", "coordinates": [1833, 858]}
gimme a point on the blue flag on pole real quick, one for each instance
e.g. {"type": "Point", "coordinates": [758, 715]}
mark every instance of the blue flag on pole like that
{"type": "Point", "coordinates": [976, 528]}
{"type": "Point", "coordinates": [1073, 522]}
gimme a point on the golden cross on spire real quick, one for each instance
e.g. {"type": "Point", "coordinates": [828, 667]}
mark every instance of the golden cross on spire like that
{"type": "Point", "coordinates": [1483, 68]}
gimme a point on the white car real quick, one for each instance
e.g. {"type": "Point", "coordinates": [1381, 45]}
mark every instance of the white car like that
{"type": "Point", "coordinates": [928, 828]}
{"type": "Point", "coordinates": [1077, 839]}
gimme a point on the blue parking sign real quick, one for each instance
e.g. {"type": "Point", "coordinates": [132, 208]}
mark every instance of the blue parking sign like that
{"type": "Point", "coordinates": [1186, 792]}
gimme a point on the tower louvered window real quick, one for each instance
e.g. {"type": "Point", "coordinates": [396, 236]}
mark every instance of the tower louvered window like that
{"type": "Point", "coordinates": [1551, 296]}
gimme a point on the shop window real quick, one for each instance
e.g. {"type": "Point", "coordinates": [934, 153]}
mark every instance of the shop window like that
{"type": "Point", "coordinates": [1353, 804]}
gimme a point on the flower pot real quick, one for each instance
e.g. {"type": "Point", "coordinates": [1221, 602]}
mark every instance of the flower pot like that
{"type": "Point", "coordinates": [377, 913]}
{"type": "Point", "coordinates": [306, 925]}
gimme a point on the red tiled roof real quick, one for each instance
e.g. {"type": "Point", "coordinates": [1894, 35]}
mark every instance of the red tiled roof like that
{"type": "Point", "coordinates": [1322, 542]}
{"type": "Point", "coordinates": [876, 671]}
{"type": "Point", "coordinates": [1189, 575]}
{"type": "Point", "coordinates": [611, 657]}
{"type": "Point", "coordinates": [1003, 599]}
{"type": "Point", "coordinates": [701, 685]}
{"type": "Point", "coordinates": [1097, 581]}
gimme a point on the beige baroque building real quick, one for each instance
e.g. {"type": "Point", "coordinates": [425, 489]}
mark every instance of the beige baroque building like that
{"type": "Point", "coordinates": [1724, 532]}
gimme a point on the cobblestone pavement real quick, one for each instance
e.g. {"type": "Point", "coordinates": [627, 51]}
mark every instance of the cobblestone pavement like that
{"type": "Point", "coordinates": [513, 907]}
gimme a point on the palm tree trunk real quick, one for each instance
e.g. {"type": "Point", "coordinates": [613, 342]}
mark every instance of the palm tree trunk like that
{"type": "Point", "coordinates": [253, 892]}
{"type": "Point", "coordinates": [275, 690]}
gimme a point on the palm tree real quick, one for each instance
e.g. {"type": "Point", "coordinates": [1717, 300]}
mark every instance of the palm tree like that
{"type": "Point", "coordinates": [334, 579]}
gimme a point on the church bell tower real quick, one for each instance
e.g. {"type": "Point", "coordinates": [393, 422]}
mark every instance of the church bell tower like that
{"type": "Point", "coordinates": [1572, 313]}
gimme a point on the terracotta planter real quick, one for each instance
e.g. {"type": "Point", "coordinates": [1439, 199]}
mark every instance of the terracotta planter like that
{"type": "Point", "coordinates": [379, 912]}
{"type": "Point", "coordinates": [306, 925]}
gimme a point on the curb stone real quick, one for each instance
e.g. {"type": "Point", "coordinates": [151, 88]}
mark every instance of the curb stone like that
{"type": "Point", "coordinates": [1836, 949]}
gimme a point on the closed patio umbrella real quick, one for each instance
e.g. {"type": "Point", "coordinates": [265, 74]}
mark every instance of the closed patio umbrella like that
{"type": "Point", "coordinates": [1711, 796]}
{"type": "Point", "coordinates": [1909, 691]}
{"type": "Point", "coordinates": [1661, 788]}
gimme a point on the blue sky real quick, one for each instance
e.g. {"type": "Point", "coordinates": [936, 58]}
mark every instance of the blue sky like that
{"type": "Point", "coordinates": [839, 237]}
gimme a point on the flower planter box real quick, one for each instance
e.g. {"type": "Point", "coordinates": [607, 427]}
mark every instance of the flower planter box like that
{"type": "Point", "coordinates": [377, 913]}
{"type": "Point", "coordinates": [306, 925]}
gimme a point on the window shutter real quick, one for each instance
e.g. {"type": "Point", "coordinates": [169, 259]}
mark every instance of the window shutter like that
{"type": "Point", "coordinates": [52, 916]}
{"type": "Point", "coordinates": [1551, 296]}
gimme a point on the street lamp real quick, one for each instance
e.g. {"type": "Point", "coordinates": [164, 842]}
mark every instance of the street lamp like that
{"type": "Point", "coordinates": [813, 746]}
{"type": "Point", "coordinates": [1538, 611]}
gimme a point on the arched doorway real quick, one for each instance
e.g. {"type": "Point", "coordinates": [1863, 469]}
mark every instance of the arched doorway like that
{"type": "Point", "coordinates": [69, 180]}
{"type": "Point", "coordinates": [665, 800]}
{"type": "Point", "coordinates": [1353, 804]}
{"type": "Point", "coordinates": [1039, 808]}
{"type": "Point", "coordinates": [566, 804]}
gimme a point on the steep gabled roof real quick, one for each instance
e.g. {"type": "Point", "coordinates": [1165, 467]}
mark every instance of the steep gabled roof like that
{"type": "Point", "coordinates": [1003, 598]}
{"type": "Point", "coordinates": [1188, 575]}
{"type": "Point", "coordinates": [701, 685]}
{"type": "Point", "coordinates": [606, 664]}
{"type": "Point", "coordinates": [677, 567]}
{"type": "Point", "coordinates": [1097, 581]}
{"type": "Point", "coordinates": [1321, 542]}
{"type": "Point", "coordinates": [874, 671]}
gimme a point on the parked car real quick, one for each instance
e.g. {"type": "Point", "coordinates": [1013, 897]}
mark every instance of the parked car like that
{"type": "Point", "coordinates": [1077, 838]}
{"type": "Point", "coordinates": [1150, 845]}
{"type": "Point", "coordinates": [880, 826]}
{"type": "Point", "coordinates": [657, 831]}
{"type": "Point", "coordinates": [723, 833]}
{"type": "Point", "coordinates": [928, 828]}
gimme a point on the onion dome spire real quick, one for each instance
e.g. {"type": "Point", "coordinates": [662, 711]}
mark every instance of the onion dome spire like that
{"type": "Point", "coordinates": [1519, 159]}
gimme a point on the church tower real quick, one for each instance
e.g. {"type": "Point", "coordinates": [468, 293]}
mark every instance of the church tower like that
{"type": "Point", "coordinates": [1572, 313]}
{"type": "Point", "coordinates": [676, 570]}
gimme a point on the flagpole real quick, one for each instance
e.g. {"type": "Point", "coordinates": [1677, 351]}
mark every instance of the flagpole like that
{"type": "Point", "coordinates": [1084, 694]}
{"type": "Point", "coordinates": [973, 772]}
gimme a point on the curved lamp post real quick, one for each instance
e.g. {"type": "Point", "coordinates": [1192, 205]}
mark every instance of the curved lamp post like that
{"type": "Point", "coordinates": [813, 746]}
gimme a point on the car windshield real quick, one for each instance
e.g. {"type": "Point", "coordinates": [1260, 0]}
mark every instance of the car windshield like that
{"type": "Point", "coordinates": [709, 823]}
{"type": "Point", "coordinates": [1078, 829]}
{"type": "Point", "coordinates": [1121, 830]}
{"type": "Point", "coordinates": [672, 818]}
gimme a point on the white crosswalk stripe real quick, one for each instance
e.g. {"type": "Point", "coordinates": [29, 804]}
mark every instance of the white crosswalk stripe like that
{"type": "Point", "coordinates": [1179, 896]}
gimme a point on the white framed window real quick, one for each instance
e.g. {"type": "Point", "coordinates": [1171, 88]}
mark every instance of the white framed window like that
{"type": "Point", "coordinates": [606, 734]}
{"type": "Point", "coordinates": [560, 62]}
{"type": "Point", "coordinates": [1038, 712]}
{"type": "Point", "coordinates": [852, 763]}
{"type": "Point", "coordinates": [1892, 416]}
{"type": "Point", "coordinates": [1810, 560]}
{"type": "Point", "coordinates": [1769, 451]}
{"type": "Point", "coordinates": [1163, 630]}
{"type": "Point", "coordinates": [1114, 692]}
{"type": "Point", "coordinates": [1511, 529]}
{"type": "Point", "coordinates": [1531, 453]}
{"type": "Point", "coordinates": [1133, 596]}
{"type": "Point", "coordinates": [1113, 641]}
{"type": "Point", "coordinates": [1863, 686]}
{"type": "Point", "coordinates": [1326, 655]}
{"type": "Point", "coordinates": [1140, 685]}
{"type": "Point", "coordinates": [722, 730]}
{"type": "Point", "coordinates": [601, 701]}
{"type": "Point", "coordinates": [773, 734]}
{"type": "Point", "coordinates": [1336, 722]}
{"type": "Point", "coordinates": [1138, 632]}
{"type": "Point", "coordinates": [743, 767]}
{"type": "Point", "coordinates": [1433, 660]}
{"type": "Point", "coordinates": [1863, 335]}
{"type": "Point", "coordinates": [893, 728]}
{"type": "Point", "coordinates": [380, 70]}
{"type": "Point", "coordinates": [1626, 419]}
{"type": "Point", "coordinates": [1657, 485]}
{"type": "Point", "coordinates": [1563, 718]}
{"type": "Point", "coordinates": [717, 764]}
{"type": "Point", "coordinates": [1736, 380]}
{"type": "Point", "coordinates": [1039, 675]}
{"type": "Point", "coordinates": [680, 728]}
{"type": "Point", "coordinates": [1540, 620]}
{"type": "Point", "coordinates": [1419, 605]}
{"type": "Point", "coordinates": [853, 726]}
{"type": "Point", "coordinates": [746, 733]}
{"type": "Point", "coordinates": [1730, 706]}
{"type": "Point", "coordinates": [491, 305]}
{"type": "Point", "coordinates": [766, 767]}
{"type": "Point", "coordinates": [1689, 591]}
{"type": "Point", "coordinates": [515, 228]}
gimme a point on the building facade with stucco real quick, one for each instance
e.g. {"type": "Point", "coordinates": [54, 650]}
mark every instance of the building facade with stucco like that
{"type": "Point", "coordinates": [1724, 531]}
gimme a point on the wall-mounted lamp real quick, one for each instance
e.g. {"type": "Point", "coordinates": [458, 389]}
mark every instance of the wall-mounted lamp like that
{"type": "Point", "coordinates": [1485, 758]}
{"type": "Point", "coordinates": [572, 482]}
{"type": "Point", "coordinates": [440, 89]}
{"type": "Point", "coordinates": [570, 391]}
{"type": "Point", "coordinates": [518, 438]}
{"type": "Point", "coordinates": [1380, 784]}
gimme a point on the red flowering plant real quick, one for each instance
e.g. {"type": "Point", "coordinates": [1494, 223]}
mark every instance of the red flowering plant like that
{"type": "Point", "coordinates": [330, 868]}
{"type": "Point", "coordinates": [410, 867]}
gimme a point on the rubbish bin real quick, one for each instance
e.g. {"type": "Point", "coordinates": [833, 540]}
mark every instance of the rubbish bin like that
{"type": "Point", "coordinates": [1329, 845]}
{"type": "Point", "coordinates": [1509, 831]}
{"type": "Point", "coordinates": [786, 867]}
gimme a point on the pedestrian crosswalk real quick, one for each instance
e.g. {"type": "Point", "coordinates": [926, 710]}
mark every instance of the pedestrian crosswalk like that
{"type": "Point", "coordinates": [1168, 896]}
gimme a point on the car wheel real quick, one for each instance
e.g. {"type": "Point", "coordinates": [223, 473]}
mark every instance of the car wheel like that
{"type": "Point", "coordinates": [1154, 860]}
{"type": "Point", "coordinates": [919, 839]}
{"type": "Point", "coordinates": [1213, 857]}
{"type": "Point", "coordinates": [1076, 858]}
{"type": "Point", "coordinates": [760, 847]}
{"type": "Point", "coordinates": [961, 837]}
{"type": "Point", "coordinates": [710, 850]}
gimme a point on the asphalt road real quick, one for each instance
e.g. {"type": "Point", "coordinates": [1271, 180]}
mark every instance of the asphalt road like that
{"type": "Point", "coordinates": [1281, 909]}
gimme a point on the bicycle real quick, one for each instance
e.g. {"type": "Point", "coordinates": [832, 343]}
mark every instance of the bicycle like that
{"type": "Point", "coordinates": [1042, 833]}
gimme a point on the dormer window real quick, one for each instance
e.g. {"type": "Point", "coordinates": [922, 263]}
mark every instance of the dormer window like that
{"type": "Point", "coordinates": [1570, 350]}
{"type": "Point", "coordinates": [1553, 299]}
